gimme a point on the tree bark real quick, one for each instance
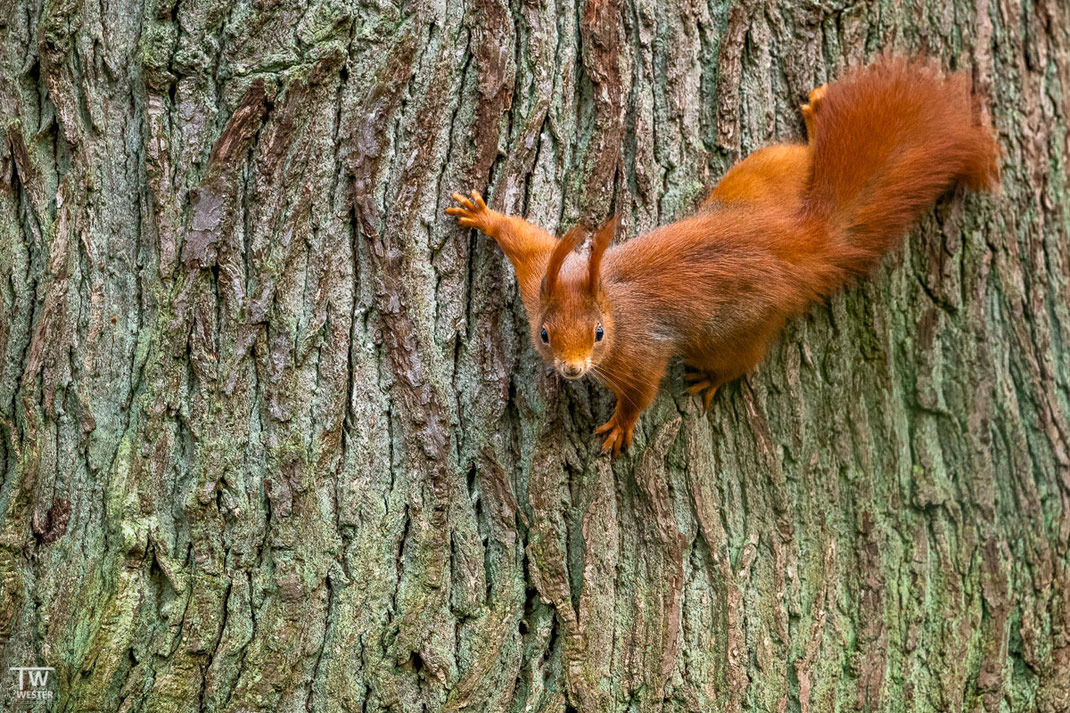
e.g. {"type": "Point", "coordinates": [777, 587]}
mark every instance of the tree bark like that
{"type": "Point", "coordinates": [273, 437]}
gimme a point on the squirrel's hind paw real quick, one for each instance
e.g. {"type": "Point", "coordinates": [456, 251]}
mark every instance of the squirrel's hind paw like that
{"type": "Point", "coordinates": [810, 109]}
{"type": "Point", "coordinates": [702, 384]}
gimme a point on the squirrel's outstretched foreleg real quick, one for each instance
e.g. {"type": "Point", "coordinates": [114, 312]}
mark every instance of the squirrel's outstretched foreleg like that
{"type": "Point", "coordinates": [527, 246]}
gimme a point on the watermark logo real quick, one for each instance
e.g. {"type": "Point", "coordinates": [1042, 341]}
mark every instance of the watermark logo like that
{"type": "Point", "coordinates": [33, 683]}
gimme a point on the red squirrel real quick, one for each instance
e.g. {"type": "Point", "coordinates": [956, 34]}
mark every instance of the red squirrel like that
{"type": "Point", "coordinates": [788, 225]}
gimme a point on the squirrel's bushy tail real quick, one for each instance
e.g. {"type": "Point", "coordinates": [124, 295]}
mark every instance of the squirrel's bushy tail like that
{"type": "Point", "coordinates": [890, 138]}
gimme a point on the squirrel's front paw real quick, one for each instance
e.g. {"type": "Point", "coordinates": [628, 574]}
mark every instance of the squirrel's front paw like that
{"type": "Point", "coordinates": [472, 213]}
{"type": "Point", "coordinates": [618, 435]}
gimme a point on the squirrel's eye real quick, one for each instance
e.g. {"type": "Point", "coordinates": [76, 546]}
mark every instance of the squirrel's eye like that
{"type": "Point", "coordinates": [545, 336]}
{"type": "Point", "coordinates": [598, 333]}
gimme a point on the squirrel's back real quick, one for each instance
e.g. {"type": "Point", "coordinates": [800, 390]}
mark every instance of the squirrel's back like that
{"type": "Point", "coordinates": [891, 138]}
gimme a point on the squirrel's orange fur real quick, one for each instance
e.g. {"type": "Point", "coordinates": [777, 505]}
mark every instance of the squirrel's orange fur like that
{"type": "Point", "coordinates": [786, 226]}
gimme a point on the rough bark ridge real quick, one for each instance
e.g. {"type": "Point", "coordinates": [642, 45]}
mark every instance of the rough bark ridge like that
{"type": "Point", "coordinates": [273, 439]}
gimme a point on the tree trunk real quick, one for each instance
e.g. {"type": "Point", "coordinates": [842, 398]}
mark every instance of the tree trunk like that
{"type": "Point", "coordinates": [273, 437]}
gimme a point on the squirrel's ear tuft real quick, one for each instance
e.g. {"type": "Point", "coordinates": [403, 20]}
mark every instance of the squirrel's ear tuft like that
{"type": "Point", "coordinates": [601, 241]}
{"type": "Point", "coordinates": [557, 258]}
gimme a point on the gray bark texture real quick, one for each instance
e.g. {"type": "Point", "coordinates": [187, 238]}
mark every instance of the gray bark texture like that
{"type": "Point", "coordinates": [273, 437]}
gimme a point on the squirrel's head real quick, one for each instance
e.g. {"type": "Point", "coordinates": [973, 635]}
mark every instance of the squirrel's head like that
{"type": "Point", "coordinates": [574, 328]}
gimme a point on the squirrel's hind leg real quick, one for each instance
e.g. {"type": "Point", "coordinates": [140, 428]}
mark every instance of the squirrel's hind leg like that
{"type": "Point", "coordinates": [705, 373]}
{"type": "Point", "coordinates": [809, 112]}
{"type": "Point", "coordinates": [702, 383]}
{"type": "Point", "coordinates": [776, 175]}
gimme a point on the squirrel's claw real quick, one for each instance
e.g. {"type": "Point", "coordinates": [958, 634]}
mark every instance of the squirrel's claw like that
{"type": "Point", "coordinates": [619, 437]}
{"type": "Point", "coordinates": [705, 389]}
{"type": "Point", "coordinates": [701, 384]}
{"type": "Point", "coordinates": [810, 109]}
{"type": "Point", "coordinates": [707, 398]}
{"type": "Point", "coordinates": [817, 95]}
{"type": "Point", "coordinates": [470, 212]}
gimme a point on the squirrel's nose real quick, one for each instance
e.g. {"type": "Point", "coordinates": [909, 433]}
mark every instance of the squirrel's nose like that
{"type": "Point", "coordinates": [571, 371]}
